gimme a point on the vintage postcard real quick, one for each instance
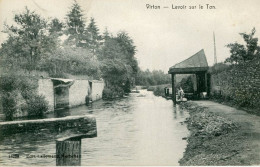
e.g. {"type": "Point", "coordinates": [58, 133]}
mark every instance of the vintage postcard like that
{"type": "Point", "coordinates": [129, 82]}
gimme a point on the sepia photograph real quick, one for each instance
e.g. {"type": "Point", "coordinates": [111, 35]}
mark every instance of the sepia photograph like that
{"type": "Point", "coordinates": [129, 83]}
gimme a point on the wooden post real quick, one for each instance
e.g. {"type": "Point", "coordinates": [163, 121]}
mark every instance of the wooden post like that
{"type": "Point", "coordinates": [173, 89]}
{"type": "Point", "coordinates": [206, 83]}
{"type": "Point", "coordinates": [209, 83]}
{"type": "Point", "coordinates": [68, 152]}
{"type": "Point", "coordinates": [68, 144]}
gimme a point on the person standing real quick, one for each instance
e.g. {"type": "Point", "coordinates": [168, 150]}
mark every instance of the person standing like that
{"type": "Point", "coordinates": [181, 94]}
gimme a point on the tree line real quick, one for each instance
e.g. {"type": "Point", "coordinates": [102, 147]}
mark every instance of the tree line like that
{"type": "Point", "coordinates": [69, 47]}
{"type": "Point", "coordinates": [151, 78]}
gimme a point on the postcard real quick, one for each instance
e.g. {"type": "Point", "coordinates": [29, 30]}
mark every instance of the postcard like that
{"type": "Point", "coordinates": [129, 83]}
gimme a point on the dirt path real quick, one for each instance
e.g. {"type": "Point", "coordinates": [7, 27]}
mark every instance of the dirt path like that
{"type": "Point", "coordinates": [250, 128]}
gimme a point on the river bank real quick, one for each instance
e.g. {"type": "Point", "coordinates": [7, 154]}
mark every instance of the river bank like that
{"type": "Point", "coordinates": [220, 135]}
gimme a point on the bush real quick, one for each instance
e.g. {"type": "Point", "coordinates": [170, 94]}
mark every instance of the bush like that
{"type": "Point", "coordinates": [112, 92]}
{"type": "Point", "coordinates": [158, 91]}
{"type": "Point", "coordinates": [219, 67]}
{"type": "Point", "coordinates": [18, 93]}
{"type": "Point", "coordinates": [8, 104]}
{"type": "Point", "coordinates": [7, 84]}
{"type": "Point", "coordinates": [37, 105]}
{"type": "Point", "coordinates": [151, 88]}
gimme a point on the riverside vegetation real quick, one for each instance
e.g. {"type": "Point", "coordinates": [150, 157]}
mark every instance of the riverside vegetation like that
{"type": "Point", "coordinates": [60, 48]}
{"type": "Point", "coordinates": [239, 78]}
{"type": "Point", "coordinates": [216, 140]}
{"type": "Point", "coordinates": [18, 93]}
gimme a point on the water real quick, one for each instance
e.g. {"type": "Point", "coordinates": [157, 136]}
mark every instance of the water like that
{"type": "Point", "coordinates": [141, 129]}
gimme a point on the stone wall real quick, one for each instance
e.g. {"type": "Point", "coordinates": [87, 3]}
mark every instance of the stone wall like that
{"type": "Point", "coordinates": [45, 88]}
{"type": "Point", "coordinates": [239, 84]}
{"type": "Point", "coordinates": [85, 125]}
{"type": "Point", "coordinates": [78, 92]}
{"type": "Point", "coordinates": [97, 89]}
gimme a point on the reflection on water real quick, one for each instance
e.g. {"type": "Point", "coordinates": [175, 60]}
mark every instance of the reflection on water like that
{"type": "Point", "coordinates": [138, 130]}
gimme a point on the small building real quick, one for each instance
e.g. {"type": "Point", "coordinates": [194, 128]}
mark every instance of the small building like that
{"type": "Point", "coordinates": [66, 93]}
{"type": "Point", "coordinates": [196, 64]}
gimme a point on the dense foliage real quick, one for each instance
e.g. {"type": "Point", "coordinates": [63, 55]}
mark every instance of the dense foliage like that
{"type": "Point", "coordinates": [19, 94]}
{"type": "Point", "coordinates": [28, 42]}
{"type": "Point", "coordinates": [219, 67]}
{"type": "Point", "coordinates": [155, 77]}
{"type": "Point", "coordinates": [72, 47]}
{"type": "Point", "coordinates": [238, 85]}
{"type": "Point", "coordinates": [236, 82]}
{"type": "Point", "coordinates": [76, 61]}
{"type": "Point", "coordinates": [118, 64]}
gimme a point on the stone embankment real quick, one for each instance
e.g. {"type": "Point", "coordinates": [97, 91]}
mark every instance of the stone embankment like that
{"type": "Point", "coordinates": [65, 127]}
{"type": "Point", "coordinates": [218, 139]}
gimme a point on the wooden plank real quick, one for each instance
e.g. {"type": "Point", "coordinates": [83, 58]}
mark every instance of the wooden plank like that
{"type": "Point", "coordinates": [191, 70]}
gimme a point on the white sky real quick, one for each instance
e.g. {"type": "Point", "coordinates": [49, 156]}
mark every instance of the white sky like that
{"type": "Point", "coordinates": [163, 37]}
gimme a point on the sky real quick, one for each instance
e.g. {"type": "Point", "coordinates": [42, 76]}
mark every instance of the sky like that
{"type": "Point", "coordinates": [164, 36]}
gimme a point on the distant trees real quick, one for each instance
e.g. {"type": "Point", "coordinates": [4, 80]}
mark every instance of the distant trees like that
{"type": "Point", "coordinates": [150, 78]}
{"type": "Point", "coordinates": [243, 53]}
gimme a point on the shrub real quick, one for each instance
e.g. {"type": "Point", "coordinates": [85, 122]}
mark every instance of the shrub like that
{"type": "Point", "coordinates": [19, 93]}
{"type": "Point", "coordinates": [37, 105]}
{"type": "Point", "coordinates": [8, 104]}
{"type": "Point", "coordinates": [158, 91]}
{"type": "Point", "coordinates": [151, 88]}
{"type": "Point", "coordinates": [112, 92]}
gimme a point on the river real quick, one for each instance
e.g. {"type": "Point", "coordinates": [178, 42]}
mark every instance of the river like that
{"type": "Point", "coordinates": [141, 129]}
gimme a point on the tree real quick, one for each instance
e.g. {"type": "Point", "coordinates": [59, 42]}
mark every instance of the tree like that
{"type": "Point", "coordinates": [243, 53]}
{"type": "Point", "coordinates": [129, 49]}
{"type": "Point", "coordinates": [94, 38]}
{"type": "Point", "coordinates": [118, 64]}
{"type": "Point", "coordinates": [28, 40]}
{"type": "Point", "coordinates": [75, 26]}
{"type": "Point", "coordinates": [106, 34]}
{"type": "Point", "coordinates": [56, 27]}
{"type": "Point", "coordinates": [155, 77]}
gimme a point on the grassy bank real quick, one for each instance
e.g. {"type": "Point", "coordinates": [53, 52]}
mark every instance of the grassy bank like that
{"type": "Point", "coordinates": [216, 140]}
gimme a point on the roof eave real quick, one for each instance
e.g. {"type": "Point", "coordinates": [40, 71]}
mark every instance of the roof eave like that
{"type": "Point", "coordinates": [190, 70]}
